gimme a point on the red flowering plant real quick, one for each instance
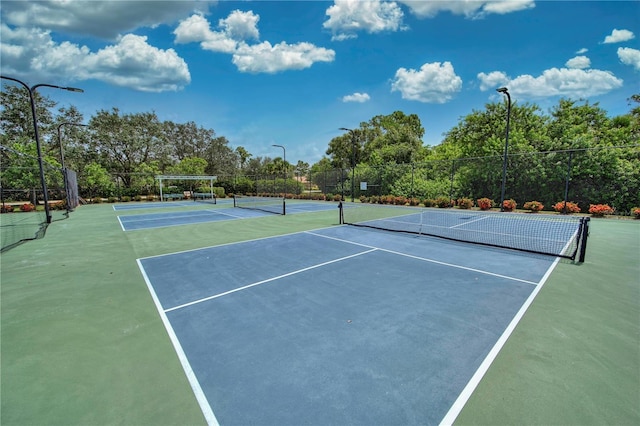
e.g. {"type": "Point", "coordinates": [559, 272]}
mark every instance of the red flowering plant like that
{"type": "Point", "coordinates": [635, 212]}
{"type": "Point", "coordinates": [465, 203]}
{"type": "Point", "coordinates": [6, 209]}
{"type": "Point", "coordinates": [533, 206]}
{"type": "Point", "coordinates": [509, 205]}
{"type": "Point", "coordinates": [27, 207]}
{"type": "Point", "coordinates": [570, 206]}
{"type": "Point", "coordinates": [484, 203]}
{"type": "Point", "coordinates": [600, 210]}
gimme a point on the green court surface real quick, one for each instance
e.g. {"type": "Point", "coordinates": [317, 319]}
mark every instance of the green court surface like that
{"type": "Point", "coordinates": [82, 342]}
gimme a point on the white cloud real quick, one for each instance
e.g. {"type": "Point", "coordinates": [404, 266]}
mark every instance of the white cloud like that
{"type": "Point", "coordinates": [432, 83]}
{"type": "Point", "coordinates": [197, 29]}
{"type": "Point", "coordinates": [581, 51]}
{"type": "Point", "coordinates": [493, 80]}
{"type": "Point", "coordinates": [356, 97]}
{"type": "Point", "coordinates": [470, 9]}
{"type": "Point", "coordinates": [618, 36]}
{"type": "Point", "coordinates": [629, 56]}
{"type": "Point", "coordinates": [254, 58]}
{"type": "Point", "coordinates": [104, 19]}
{"type": "Point", "coordinates": [579, 62]}
{"type": "Point", "coordinates": [562, 82]}
{"type": "Point", "coordinates": [241, 25]}
{"type": "Point", "coordinates": [348, 17]}
{"type": "Point", "coordinates": [266, 58]}
{"type": "Point", "coordinates": [131, 62]}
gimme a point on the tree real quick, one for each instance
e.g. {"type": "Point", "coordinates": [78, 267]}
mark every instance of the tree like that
{"type": "Point", "coordinates": [243, 156]}
{"type": "Point", "coordinates": [98, 181]}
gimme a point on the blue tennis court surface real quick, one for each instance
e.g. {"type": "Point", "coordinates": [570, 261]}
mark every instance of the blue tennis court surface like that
{"type": "Point", "coordinates": [189, 217]}
{"type": "Point", "coordinates": [339, 325]}
{"type": "Point", "coordinates": [163, 204]}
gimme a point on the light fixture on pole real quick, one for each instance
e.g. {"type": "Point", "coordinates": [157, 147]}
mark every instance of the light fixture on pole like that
{"type": "Point", "coordinates": [353, 160]}
{"type": "Point", "coordinates": [505, 91]}
{"type": "Point", "coordinates": [31, 91]}
{"type": "Point", "coordinates": [284, 160]}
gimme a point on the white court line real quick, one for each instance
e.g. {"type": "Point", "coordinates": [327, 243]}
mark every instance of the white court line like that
{"type": "Point", "coordinates": [121, 225]}
{"type": "Point", "coordinates": [464, 396]}
{"type": "Point", "coordinates": [215, 296]}
{"type": "Point", "coordinates": [191, 376]}
{"type": "Point", "coordinates": [466, 223]}
{"type": "Point", "coordinates": [480, 271]}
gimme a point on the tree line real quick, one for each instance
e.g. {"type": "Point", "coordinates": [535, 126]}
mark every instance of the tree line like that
{"type": "Point", "coordinates": [123, 152]}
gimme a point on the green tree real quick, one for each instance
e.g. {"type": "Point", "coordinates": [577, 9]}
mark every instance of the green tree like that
{"type": "Point", "coordinates": [98, 181]}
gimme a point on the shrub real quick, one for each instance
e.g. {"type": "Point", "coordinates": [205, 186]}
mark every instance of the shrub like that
{"type": "Point", "coordinates": [484, 203]}
{"type": "Point", "coordinates": [414, 202]}
{"type": "Point", "coordinates": [428, 202]}
{"type": "Point", "coordinates": [635, 212]}
{"type": "Point", "coordinates": [337, 197]}
{"type": "Point", "coordinates": [571, 207]}
{"type": "Point", "coordinates": [374, 199]}
{"type": "Point", "coordinates": [60, 205]}
{"type": "Point", "coordinates": [364, 199]}
{"type": "Point", "coordinates": [533, 206]}
{"type": "Point", "coordinates": [399, 201]}
{"type": "Point", "coordinates": [6, 209]}
{"type": "Point", "coordinates": [112, 200]}
{"type": "Point", "coordinates": [151, 197]}
{"type": "Point", "coordinates": [600, 210]}
{"type": "Point", "coordinates": [465, 203]}
{"type": "Point", "coordinates": [96, 200]}
{"type": "Point", "coordinates": [444, 202]}
{"type": "Point", "coordinates": [509, 205]}
{"type": "Point", "coordinates": [125, 199]}
{"type": "Point", "coordinates": [27, 207]}
{"type": "Point", "coordinates": [137, 198]}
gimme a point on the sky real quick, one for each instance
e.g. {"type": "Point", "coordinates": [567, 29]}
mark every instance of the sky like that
{"type": "Point", "coordinates": [293, 73]}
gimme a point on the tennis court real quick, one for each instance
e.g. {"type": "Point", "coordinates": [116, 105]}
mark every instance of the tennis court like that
{"type": "Point", "coordinates": [338, 325]}
{"type": "Point", "coordinates": [224, 211]}
{"type": "Point", "coordinates": [84, 343]}
{"type": "Point", "coordinates": [164, 204]}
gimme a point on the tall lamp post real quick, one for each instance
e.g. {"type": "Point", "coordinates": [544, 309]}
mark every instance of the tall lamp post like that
{"type": "Point", "coordinates": [284, 159]}
{"type": "Point", "coordinates": [31, 91]}
{"type": "Point", "coordinates": [353, 161]}
{"type": "Point", "coordinates": [64, 168]}
{"type": "Point", "coordinates": [505, 91]}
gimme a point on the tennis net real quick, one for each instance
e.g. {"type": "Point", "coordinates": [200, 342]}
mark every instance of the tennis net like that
{"type": "Point", "coordinates": [204, 197]}
{"type": "Point", "coordinates": [555, 235]}
{"type": "Point", "coordinates": [265, 204]}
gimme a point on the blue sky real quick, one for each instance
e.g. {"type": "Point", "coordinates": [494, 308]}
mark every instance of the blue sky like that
{"type": "Point", "coordinates": [294, 72]}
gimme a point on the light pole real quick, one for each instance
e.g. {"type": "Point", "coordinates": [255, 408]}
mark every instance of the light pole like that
{"type": "Point", "coordinates": [505, 91]}
{"type": "Point", "coordinates": [284, 159]}
{"type": "Point", "coordinates": [353, 160]}
{"type": "Point", "coordinates": [31, 91]}
{"type": "Point", "coordinates": [64, 168]}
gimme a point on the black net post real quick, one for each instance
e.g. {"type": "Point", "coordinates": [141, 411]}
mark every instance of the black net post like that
{"type": "Point", "coordinates": [584, 229]}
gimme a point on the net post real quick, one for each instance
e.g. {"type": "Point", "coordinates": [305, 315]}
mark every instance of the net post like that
{"type": "Point", "coordinates": [584, 230]}
{"type": "Point", "coordinates": [340, 213]}
{"type": "Point", "coordinates": [235, 204]}
{"type": "Point", "coordinates": [284, 207]}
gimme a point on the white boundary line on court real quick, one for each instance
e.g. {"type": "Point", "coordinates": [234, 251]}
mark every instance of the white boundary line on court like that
{"type": "Point", "coordinates": [121, 224]}
{"type": "Point", "coordinates": [193, 380]}
{"type": "Point", "coordinates": [480, 271]}
{"type": "Point", "coordinates": [464, 396]}
{"type": "Point", "coordinates": [215, 296]}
